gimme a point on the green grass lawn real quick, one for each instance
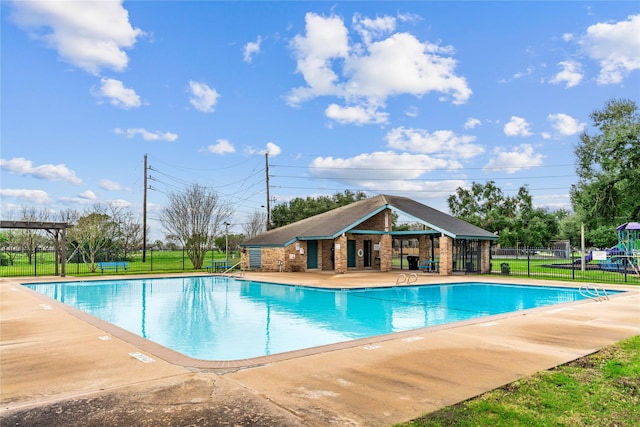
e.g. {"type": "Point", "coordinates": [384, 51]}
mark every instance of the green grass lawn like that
{"type": "Point", "coordinates": [156, 261]}
{"type": "Point", "coordinates": [602, 389]}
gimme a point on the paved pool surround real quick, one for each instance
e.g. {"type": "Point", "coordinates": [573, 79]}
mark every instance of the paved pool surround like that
{"type": "Point", "coordinates": [54, 356]}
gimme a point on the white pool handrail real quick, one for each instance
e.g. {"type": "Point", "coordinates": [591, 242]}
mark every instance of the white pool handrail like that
{"type": "Point", "coordinates": [594, 291]}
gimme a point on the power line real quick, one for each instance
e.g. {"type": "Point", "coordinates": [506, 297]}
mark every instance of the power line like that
{"type": "Point", "coordinates": [413, 169]}
{"type": "Point", "coordinates": [415, 179]}
{"type": "Point", "coordinates": [395, 190]}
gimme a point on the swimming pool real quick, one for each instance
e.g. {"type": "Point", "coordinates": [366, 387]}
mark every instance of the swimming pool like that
{"type": "Point", "coordinates": [221, 318]}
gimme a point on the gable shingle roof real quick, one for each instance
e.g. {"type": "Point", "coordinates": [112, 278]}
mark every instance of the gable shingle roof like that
{"type": "Point", "coordinates": [331, 224]}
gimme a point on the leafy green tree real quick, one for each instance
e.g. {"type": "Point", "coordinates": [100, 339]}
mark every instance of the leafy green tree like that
{"type": "Point", "coordinates": [604, 236]}
{"type": "Point", "coordinates": [569, 227]}
{"type": "Point", "coordinates": [513, 217]}
{"type": "Point", "coordinates": [299, 208]}
{"type": "Point", "coordinates": [234, 242]}
{"type": "Point", "coordinates": [608, 168]}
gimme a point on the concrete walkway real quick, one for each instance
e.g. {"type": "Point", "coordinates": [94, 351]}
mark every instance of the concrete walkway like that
{"type": "Point", "coordinates": [59, 369]}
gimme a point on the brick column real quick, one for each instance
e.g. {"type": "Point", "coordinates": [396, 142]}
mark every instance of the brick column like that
{"type": "Point", "coordinates": [424, 247]}
{"type": "Point", "coordinates": [341, 254]}
{"type": "Point", "coordinates": [485, 268]}
{"type": "Point", "coordinates": [386, 253]}
{"type": "Point", "coordinates": [446, 255]}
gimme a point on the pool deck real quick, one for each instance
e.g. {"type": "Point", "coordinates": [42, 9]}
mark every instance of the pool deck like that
{"type": "Point", "coordinates": [59, 367]}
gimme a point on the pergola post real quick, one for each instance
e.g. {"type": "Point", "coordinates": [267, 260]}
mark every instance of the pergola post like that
{"type": "Point", "coordinates": [47, 226]}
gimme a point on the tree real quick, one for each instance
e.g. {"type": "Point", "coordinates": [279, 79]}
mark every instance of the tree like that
{"type": "Point", "coordinates": [255, 224]}
{"type": "Point", "coordinates": [514, 218]}
{"type": "Point", "coordinates": [129, 228]}
{"type": "Point", "coordinates": [299, 208]}
{"type": "Point", "coordinates": [486, 206]}
{"type": "Point", "coordinates": [94, 232]}
{"type": "Point", "coordinates": [194, 217]}
{"type": "Point", "coordinates": [608, 169]}
{"type": "Point", "coordinates": [28, 239]}
{"type": "Point", "coordinates": [235, 240]}
{"type": "Point", "coordinates": [5, 258]}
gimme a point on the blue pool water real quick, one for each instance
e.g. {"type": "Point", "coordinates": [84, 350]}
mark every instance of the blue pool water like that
{"type": "Point", "coordinates": [220, 318]}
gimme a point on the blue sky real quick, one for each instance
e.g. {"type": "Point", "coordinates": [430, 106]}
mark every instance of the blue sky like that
{"type": "Point", "coordinates": [406, 98]}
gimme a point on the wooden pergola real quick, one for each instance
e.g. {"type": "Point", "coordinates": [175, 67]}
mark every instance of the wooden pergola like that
{"type": "Point", "coordinates": [56, 229]}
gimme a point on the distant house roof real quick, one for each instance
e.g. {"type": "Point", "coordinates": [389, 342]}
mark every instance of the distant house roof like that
{"type": "Point", "coordinates": [331, 224]}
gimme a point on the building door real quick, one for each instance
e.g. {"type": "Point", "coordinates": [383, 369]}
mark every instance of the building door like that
{"type": "Point", "coordinates": [367, 254]}
{"type": "Point", "coordinates": [351, 253]}
{"type": "Point", "coordinates": [312, 254]}
{"type": "Point", "coordinates": [255, 258]}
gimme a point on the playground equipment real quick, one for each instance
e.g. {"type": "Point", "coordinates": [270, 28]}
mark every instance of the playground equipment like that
{"type": "Point", "coordinates": [625, 256]}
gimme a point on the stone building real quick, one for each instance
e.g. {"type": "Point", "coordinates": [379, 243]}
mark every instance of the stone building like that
{"type": "Point", "coordinates": [359, 237]}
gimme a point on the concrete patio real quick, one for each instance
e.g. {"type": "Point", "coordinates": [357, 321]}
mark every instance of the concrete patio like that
{"type": "Point", "coordinates": [60, 367]}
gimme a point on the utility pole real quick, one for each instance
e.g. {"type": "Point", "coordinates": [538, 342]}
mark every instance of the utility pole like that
{"type": "Point", "coordinates": [226, 245]}
{"type": "Point", "coordinates": [144, 214]}
{"type": "Point", "coordinates": [582, 248]}
{"type": "Point", "coordinates": [266, 158]}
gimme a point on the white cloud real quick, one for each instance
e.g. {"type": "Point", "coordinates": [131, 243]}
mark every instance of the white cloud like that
{"type": "Point", "coordinates": [615, 46]}
{"type": "Point", "coordinates": [222, 146]}
{"type": "Point", "coordinates": [357, 114]}
{"type": "Point", "coordinates": [517, 126]}
{"type": "Point", "coordinates": [441, 143]}
{"type": "Point", "coordinates": [571, 74]}
{"type": "Point", "coordinates": [471, 123]}
{"type": "Point", "coordinates": [251, 49]}
{"type": "Point", "coordinates": [565, 124]}
{"type": "Point", "coordinates": [553, 201]}
{"type": "Point", "coordinates": [32, 196]}
{"type": "Point", "coordinates": [119, 203]}
{"type": "Point", "coordinates": [271, 148]}
{"type": "Point", "coordinates": [147, 135]}
{"type": "Point", "coordinates": [521, 74]}
{"type": "Point", "coordinates": [109, 185]}
{"type": "Point", "coordinates": [412, 111]}
{"type": "Point", "coordinates": [118, 94]}
{"type": "Point", "coordinates": [87, 195]}
{"type": "Point", "coordinates": [388, 171]}
{"type": "Point", "coordinates": [203, 98]}
{"type": "Point", "coordinates": [22, 166]}
{"type": "Point", "coordinates": [373, 28]}
{"type": "Point", "coordinates": [401, 64]}
{"type": "Point", "coordinates": [91, 35]}
{"type": "Point", "coordinates": [365, 74]}
{"type": "Point", "coordinates": [521, 157]}
{"type": "Point", "coordinates": [326, 40]}
{"type": "Point", "coordinates": [567, 37]}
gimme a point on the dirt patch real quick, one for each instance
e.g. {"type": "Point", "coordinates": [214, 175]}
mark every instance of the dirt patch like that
{"type": "Point", "coordinates": [198, 402]}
